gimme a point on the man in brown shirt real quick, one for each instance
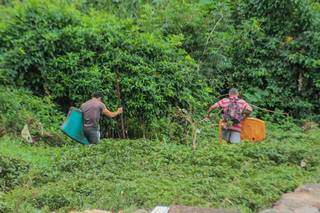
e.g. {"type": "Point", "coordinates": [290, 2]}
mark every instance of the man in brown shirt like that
{"type": "Point", "coordinates": [92, 110]}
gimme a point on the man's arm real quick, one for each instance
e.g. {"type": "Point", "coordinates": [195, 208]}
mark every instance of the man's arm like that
{"type": "Point", "coordinates": [247, 106]}
{"type": "Point", "coordinates": [112, 114]}
{"type": "Point", "coordinates": [247, 110]}
{"type": "Point", "coordinates": [213, 107]}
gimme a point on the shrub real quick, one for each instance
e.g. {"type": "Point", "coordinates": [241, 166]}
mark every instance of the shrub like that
{"type": "Point", "coordinates": [20, 107]}
{"type": "Point", "coordinates": [69, 55]}
{"type": "Point", "coordinates": [50, 199]}
{"type": "Point", "coordinates": [11, 171]}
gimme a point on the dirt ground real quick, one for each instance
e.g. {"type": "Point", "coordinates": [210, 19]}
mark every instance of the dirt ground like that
{"type": "Point", "coordinates": [305, 199]}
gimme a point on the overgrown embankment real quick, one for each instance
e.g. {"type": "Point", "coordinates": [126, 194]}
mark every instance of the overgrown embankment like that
{"type": "Point", "coordinates": [122, 174]}
{"type": "Point", "coordinates": [126, 174]}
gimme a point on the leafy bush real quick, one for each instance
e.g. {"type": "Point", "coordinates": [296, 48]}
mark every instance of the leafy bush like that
{"type": "Point", "coordinates": [4, 208]}
{"type": "Point", "coordinates": [268, 49]}
{"type": "Point", "coordinates": [20, 107]}
{"type": "Point", "coordinates": [69, 55]}
{"type": "Point", "coordinates": [165, 55]}
{"type": "Point", "coordinates": [11, 171]}
{"type": "Point", "coordinates": [52, 199]}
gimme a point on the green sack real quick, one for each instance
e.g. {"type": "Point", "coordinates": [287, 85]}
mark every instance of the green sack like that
{"type": "Point", "coordinates": [73, 126]}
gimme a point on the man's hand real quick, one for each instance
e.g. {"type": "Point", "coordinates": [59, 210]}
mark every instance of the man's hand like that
{"type": "Point", "coordinates": [207, 117]}
{"type": "Point", "coordinates": [213, 107]}
{"type": "Point", "coordinates": [120, 110]}
{"type": "Point", "coordinates": [112, 114]}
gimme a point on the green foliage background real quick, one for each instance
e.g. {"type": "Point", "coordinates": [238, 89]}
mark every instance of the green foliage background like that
{"type": "Point", "coordinates": [164, 54]}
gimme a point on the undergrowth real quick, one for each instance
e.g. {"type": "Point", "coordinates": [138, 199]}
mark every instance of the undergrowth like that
{"type": "Point", "coordinates": [129, 174]}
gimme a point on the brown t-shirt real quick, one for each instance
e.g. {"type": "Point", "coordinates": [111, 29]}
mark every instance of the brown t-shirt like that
{"type": "Point", "coordinates": [92, 110]}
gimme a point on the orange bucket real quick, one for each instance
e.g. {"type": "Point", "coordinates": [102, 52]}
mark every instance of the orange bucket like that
{"type": "Point", "coordinates": [252, 129]}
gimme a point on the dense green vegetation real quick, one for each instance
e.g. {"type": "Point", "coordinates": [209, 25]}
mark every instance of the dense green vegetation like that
{"type": "Point", "coordinates": [154, 57]}
{"type": "Point", "coordinates": [131, 174]}
{"type": "Point", "coordinates": [68, 55]}
{"type": "Point", "coordinates": [163, 54]}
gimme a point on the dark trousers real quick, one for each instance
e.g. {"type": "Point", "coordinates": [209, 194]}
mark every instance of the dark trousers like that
{"type": "Point", "coordinates": [92, 134]}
